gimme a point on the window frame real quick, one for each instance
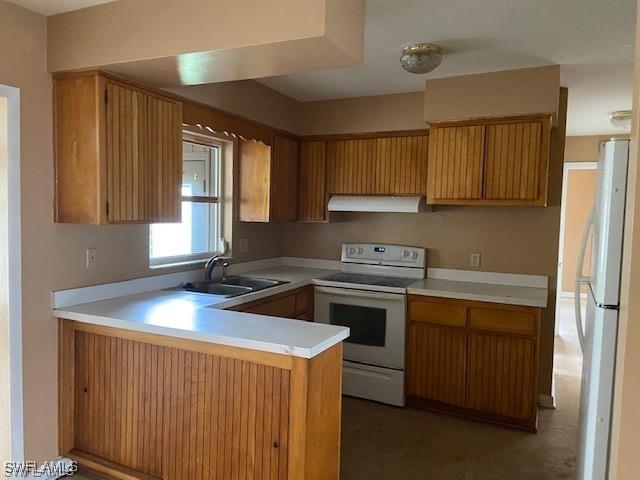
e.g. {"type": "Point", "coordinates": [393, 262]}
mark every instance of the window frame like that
{"type": "Point", "coordinates": [196, 258]}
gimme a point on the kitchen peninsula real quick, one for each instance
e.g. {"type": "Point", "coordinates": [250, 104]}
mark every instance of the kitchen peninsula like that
{"type": "Point", "coordinates": [160, 385]}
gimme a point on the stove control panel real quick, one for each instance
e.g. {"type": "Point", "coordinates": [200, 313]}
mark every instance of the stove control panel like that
{"type": "Point", "coordinates": [382, 254]}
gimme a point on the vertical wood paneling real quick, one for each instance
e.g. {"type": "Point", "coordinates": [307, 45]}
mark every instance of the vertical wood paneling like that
{"type": "Point", "coordinates": [312, 197]}
{"type": "Point", "coordinates": [255, 181]}
{"type": "Point", "coordinates": [436, 359]}
{"type": "Point", "coordinates": [176, 414]}
{"type": "Point", "coordinates": [284, 179]}
{"type": "Point", "coordinates": [144, 157]}
{"type": "Point", "coordinates": [501, 378]}
{"type": "Point", "coordinates": [455, 167]}
{"type": "Point", "coordinates": [379, 165]}
{"type": "Point", "coordinates": [514, 161]}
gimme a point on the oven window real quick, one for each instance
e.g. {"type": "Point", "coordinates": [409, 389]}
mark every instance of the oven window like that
{"type": "Point", "coordinates": [368, 325]}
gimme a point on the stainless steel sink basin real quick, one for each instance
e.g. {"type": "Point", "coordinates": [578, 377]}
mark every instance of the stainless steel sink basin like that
{"type": "Point", "coordinates": [232, 286]}
{"type": "Point", "coordinates": [215, 288]}
{"type": "Point", "coordinates": [253, 283]}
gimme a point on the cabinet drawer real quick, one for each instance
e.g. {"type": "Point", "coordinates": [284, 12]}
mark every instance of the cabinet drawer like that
{"type": "Point", "coordinates": [281, 307]}
{"type": "Point", "coordinates": [304, 301]}
{"type": "Point", "coordinates": [438, 313]}
{"type": "Point", "coordinates": [517, 322]}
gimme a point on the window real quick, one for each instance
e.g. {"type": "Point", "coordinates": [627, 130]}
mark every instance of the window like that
{"type": "Point", "coordinates": [199, 234]}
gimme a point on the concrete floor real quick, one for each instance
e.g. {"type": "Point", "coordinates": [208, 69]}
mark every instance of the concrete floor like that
{"type": "Point", "coordinates": [381, 442]}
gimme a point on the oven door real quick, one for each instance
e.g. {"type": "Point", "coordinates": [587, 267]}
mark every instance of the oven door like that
{"type": "Point", "coordinates": [376, 321]}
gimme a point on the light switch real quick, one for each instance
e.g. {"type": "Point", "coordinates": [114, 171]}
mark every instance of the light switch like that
{"type": "Point", "coordinates": [91, 257]}
{"type": "Point", "coordinates": [243, 245]}
{"type": "Point", "coordinates": [475, 260]}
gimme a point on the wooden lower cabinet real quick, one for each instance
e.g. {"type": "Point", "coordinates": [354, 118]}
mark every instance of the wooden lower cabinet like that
{"type": "Point", "coordinates": [474, 359]}
{"type": "Point", "coordinates": [142, 406]}
{"type": "Point", "coordinates": [437, 356]}
{"type": "Point", "coordinates": [296, 303]}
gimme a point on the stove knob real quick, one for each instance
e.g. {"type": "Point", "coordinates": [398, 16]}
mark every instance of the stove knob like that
{"type": "Point", "coordinates": [415, 255]}
{"type": "Point", "coordinates": [360, 250]}
{"type": "Point", "coordinates": [351, 251]}
{"type": "Point", "coordinates": [406, 253]}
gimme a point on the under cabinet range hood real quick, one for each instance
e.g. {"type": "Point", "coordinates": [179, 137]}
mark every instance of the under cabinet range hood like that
{"type": "Point", "coordinates": [377, 203]}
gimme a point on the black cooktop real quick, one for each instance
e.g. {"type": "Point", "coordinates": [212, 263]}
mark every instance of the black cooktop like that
{"type": "Point", "coordinates": [379, 280]}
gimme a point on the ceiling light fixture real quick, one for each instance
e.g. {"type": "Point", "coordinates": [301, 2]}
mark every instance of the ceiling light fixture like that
{"type": "Point", "coordinates": [621, 119]}
{"type": "Point", "coordinates": [421, 57]}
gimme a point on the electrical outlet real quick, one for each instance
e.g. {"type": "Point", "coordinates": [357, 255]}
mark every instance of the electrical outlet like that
{"type": "Point", "coordinates": [243, 245]}
{"type": "Point", "coordinates": [91, 257]}
{"type": "Point", "coordinates": [475, 260]}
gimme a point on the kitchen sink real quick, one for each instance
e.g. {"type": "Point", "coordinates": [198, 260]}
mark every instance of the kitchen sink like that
{"type": "Point", "coordinates": [232, 286]}
{"type": "Point", "coordinates": [253, 283]}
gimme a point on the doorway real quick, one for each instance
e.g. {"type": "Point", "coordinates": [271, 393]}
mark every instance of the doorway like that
{"type": "Point", "coordinates": [578, 192]}
{"type": "Point", "coordinates": [11, 424]}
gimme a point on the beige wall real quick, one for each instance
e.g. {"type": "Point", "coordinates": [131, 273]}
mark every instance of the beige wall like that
{"type": "Point", "coordinates": [586, 148]}
{"type": "Point", "coordinates": [580, 194]}
{"type": "Point", "coordinates": [364, 114]}
{"type": "Point", "coordinates": [249, 99]}
{"type": "Point", "coordinates": [193, 42]}
{"type": "Point", "coordinates": [512, 92]}
{"type": "Point", "coordinates": [625, 436]}
{"type": "Point", "coordinates": [54, 254]}
{"type": "Point", "coordinates": [517, 240]}
{"type": "Point", "coordinates": [5, 418]}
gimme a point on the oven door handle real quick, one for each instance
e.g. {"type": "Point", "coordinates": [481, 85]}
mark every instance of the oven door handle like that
{"type": "Point", "coordinates": [345, 292]}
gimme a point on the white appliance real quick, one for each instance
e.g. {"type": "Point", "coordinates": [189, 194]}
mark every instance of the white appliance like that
{"type": "Point", "coordinates": [598, 335]}
{"type": "Point", "coordinates": [369, 297]}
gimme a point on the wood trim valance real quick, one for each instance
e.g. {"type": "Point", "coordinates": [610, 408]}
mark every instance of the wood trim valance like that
{"type": "Point", "coordinates": [210, 120]}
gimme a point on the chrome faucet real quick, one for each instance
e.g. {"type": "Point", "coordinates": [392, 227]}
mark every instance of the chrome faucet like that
{"type": "Point", "coordinates": [212, 263]}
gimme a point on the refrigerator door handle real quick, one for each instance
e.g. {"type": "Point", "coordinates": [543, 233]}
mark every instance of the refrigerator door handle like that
{"type": "Point", "coordinates": [580, 278]}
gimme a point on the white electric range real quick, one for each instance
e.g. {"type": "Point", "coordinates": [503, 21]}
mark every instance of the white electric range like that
{"type": "Point", "coordinates": [369, 297]}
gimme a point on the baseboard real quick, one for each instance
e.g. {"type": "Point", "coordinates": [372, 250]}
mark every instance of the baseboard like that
{"type": "Point", "coordinates": [546, 401]}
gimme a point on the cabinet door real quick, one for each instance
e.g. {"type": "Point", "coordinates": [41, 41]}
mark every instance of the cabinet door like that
{"type": "Point", "coordinates": [143, 156]}
{"type": "Point", "coordinates": [255, 181]}
{"type": "Point", "coordinates": [279, 307]}
{"type": "Point", "coordinates": [350, 166]}
{"type": "Point", "coordinates": [502, 378]}
{"type": "Point", "coordinates": [436, 357]}
{"type": "Point", "coordinates": [400, 165]}
{"type": "Point", "coordinates": [312, 200]}
{"type": "Point", "coordinates": [127, 163]}
{"type": "Point", "coordinates": [517, 157]}
{"type": "Point", "coordinates": [455, 166]}
{"type": "Point", "coordinates": [163, 146]}
{"type": "Point", "coordinates": [393, 165]}
{"type": "Point", "coordinates": [284, 179]}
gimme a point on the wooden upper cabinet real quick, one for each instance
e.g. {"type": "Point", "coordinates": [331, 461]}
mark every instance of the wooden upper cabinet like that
{"type": "Point", "coordinates": [284, 179]}
{"type": "Point", "coordinates": [498, 161]}
{"type": "Point", "coordinates": [118, 153]}
{"type": "Point", "coordinates": [381, 165]}
{"type": "Point", "coordinates": [312, 197]}
{"type": "Point", "coordinates": [456, 162]}
{"type": "Point", "coordinates": [255, 181]}
{"type": "Point", "coordinates": [517, 160]}
{"type": "Point", "coordinates": [268, 180]}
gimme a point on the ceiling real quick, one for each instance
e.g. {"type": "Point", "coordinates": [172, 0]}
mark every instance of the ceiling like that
{"type": "Point", "coordinates": [53, 7]}
{"type": "Point", "coordinates": [591, 39]}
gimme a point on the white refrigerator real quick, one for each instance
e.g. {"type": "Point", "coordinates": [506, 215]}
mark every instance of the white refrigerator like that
{"type": "Point", "coordinates": [598, 330]}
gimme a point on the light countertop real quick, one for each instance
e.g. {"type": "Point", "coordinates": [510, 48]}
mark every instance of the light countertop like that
{"type": "Point", "coordinates": [196, 316]}
{"type": "Point", "coordinates": [482, 292]}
